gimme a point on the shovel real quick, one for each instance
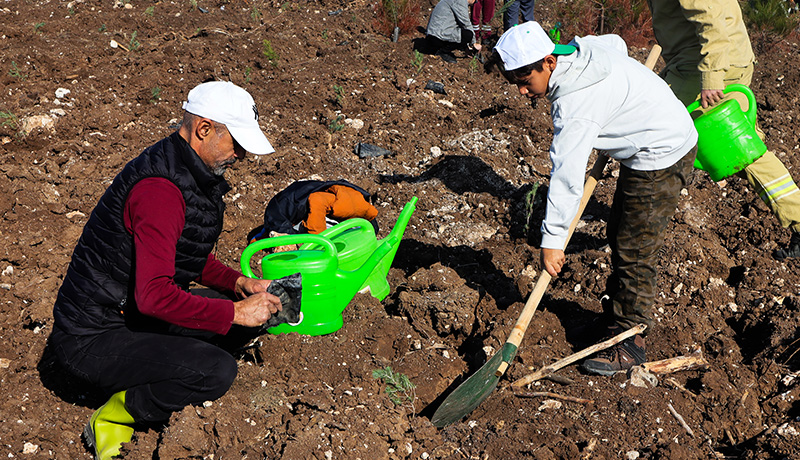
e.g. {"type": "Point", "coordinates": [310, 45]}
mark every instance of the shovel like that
{"type": "Point", "coordinates": [480, 385]}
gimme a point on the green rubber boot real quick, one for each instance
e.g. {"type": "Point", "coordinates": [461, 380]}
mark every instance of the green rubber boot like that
{"type": "Point", "coordinates": [109, 427]}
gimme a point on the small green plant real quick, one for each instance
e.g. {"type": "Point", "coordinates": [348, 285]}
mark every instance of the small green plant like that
{"type": "Point", "coordinates": [192, 5]}
{"type": "Point", "coordinates": [337, 124]}
{"type": "Point", "coordinates": [38, 27]}
{"type": "Point", "coordinates": [102, 28]}
{"type": "Point", "coordinates": [502, 10]}
{"type": "Point", "coordinates": [134, 44]}
{"type": "Point", "coordinates": [398, 386]}
{"type": "Point", "coordinates": [247, 72]}
{"type": "Point", "coordinates": [255, 14]}
{"type": "Point", "coordinates": [473, 65]}
{"type": "Point", "coordinates": [417, 60]}
{"type": "Point", "coordinates": [531, 202]}
{"type": "Point", "coordinates": [71, 11]}
{"type": "Point", "coordinates": [155, 94]}
{"type": "Point", "coordinates": [338, 93]}
{"type": "Point", "coordinates": [270, 53]}
{"type": "Point", "coordinates": [9, 120]}
{"type": "Point", "coordinates": [325, 34]}
{"type": "Point", "coordinates": [16, 72]}
{"type": "Point", "coordinates": [284, 6]}
{"type": "Point", "coordinates": [150, 11]}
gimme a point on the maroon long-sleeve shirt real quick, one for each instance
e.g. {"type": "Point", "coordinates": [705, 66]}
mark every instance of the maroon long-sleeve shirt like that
{"type": "Point", "coordinates": [155, 216]}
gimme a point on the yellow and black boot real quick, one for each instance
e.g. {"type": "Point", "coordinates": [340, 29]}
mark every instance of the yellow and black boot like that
{"type": "Point", "coordinates": [109, 427]}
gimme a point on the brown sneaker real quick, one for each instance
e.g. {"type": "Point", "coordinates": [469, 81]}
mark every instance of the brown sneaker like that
{"type": "Point", "coordinates": [619, 358]}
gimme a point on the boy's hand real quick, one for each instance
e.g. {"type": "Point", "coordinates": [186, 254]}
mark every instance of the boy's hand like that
{"type": "Point", "coordinates": [477, 46]}
{"type": "Point", "coordinates": [553, 260]}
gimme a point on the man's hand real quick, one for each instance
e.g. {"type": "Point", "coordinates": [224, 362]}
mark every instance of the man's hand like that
{"type": "Point", "coordinates": [709, 97]}
{"type": "Point", "coordinates": [246, 287]}
{"type": "Point", "coordinates": [256, 309]}
{"type": "Point", "coordinates": [553, 260]}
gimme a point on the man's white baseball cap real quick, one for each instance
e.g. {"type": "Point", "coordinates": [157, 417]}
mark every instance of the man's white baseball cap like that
{"type": "Point", "coordinates": [525, 44]}
{"type": "Point", "coordinates": [226, 103]}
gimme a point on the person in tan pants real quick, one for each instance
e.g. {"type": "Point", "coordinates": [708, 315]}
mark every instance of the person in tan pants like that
{"type": "Point", "coordinates": [706, 48]}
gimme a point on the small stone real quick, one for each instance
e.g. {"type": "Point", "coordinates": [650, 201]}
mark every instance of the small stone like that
{"type": "Point", "coordinates": [29, 448]}
{"type": "Point", "coordinates": [113, 44]}
{"type": "Point", "coordinates": [631, 455]}
{"type": "Point", "coordinates": [641, 378]}
{"type": "Point", "coordinates": [72, 214]}
{"type": "Point", "coordinates": [550, 404]}
{"type": "Point", "coordinates": [5, 363]}
{"type": "Point", "coordinates": [8, 271]}
{"type": "Point", "coordinates": [62, 92]}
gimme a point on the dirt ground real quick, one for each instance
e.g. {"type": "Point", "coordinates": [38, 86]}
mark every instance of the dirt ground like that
{"type": "Point", "coordinates": [468, 260]}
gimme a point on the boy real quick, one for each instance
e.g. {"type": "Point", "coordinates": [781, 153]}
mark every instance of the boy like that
{"type": "Point", "coordinates": [450, 28]}
{"type": "Point", "coordinates": [605, 100]}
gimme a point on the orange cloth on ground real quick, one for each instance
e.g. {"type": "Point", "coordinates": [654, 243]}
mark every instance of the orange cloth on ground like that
{"type": "Point", "coordinates": [338, 202]}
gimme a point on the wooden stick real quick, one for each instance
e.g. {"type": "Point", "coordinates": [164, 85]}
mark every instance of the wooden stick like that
{"type": "Point", "coordinates": [550, 368]}
{"type": "Point", "coordinates": [678, 363]}
{"type": "Point", "coordinates": [680, 419]}
{"type": "Point", "coordinates": [547, 394]}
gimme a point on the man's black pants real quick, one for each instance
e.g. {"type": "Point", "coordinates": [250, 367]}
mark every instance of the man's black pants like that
{"type": "Point", "coordinates": [162, 372]}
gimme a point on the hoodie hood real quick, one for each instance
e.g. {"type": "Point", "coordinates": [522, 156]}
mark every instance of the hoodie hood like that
{"type": "Point", "coordinates": [585, 67]}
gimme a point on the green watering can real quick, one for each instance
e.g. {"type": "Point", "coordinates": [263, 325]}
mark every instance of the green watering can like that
{"type": "Point", "coordinates": [335, 265]}
{"type": "Point", "coordinates": [727, 141]}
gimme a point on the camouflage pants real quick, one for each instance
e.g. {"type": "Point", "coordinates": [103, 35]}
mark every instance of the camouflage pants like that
{"type": "Point", "coordinates": [644, 203]}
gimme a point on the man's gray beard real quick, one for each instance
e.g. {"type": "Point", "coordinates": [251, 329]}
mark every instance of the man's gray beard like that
{"type": "Point", "coordinates": [220, 168]}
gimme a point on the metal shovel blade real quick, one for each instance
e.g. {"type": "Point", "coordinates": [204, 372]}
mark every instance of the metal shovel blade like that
{"type": "Point", "coordinates": [474, 390]}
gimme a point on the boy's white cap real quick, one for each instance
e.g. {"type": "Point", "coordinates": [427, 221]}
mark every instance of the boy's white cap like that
{"type": "Point", "coordinates": [525, 44]}
{"type": "Point", "coordinates": [226, 103]}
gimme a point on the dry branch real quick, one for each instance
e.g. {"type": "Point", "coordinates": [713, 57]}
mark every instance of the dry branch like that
{"type": "Point", "coordinates": [678, 363]}
{"type": "Point", "coordinates": [547, 394]}
{"type": "Point", "coordinates": [680, 419]}
{"type": "Point", "coordinates": [550, 368]}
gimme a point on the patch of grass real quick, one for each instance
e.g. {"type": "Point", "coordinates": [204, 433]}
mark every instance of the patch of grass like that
{"type": "Point", "coordinates": [255, 14]}
{"type": "Point", "coordinates": [192, 5]}
{"type": "Point", "coordinates": [325, 34]}
{"type": "Point", "coordinates": [247, 72]}
{"type": "Point", "coordinates": [270, 53]}
{"type": "Point", "coordinates": [398, 386]}
{"type": "Point", "coordinates": [155, 94]}
{"type": "Point", "coordinates": [772, 16]}
{"type": "Point", "coordinates": [38, 27]}
{"type": "Point", "coordinates": [150, 11]}
{"type": "Point", "coordinates": [16, 72]}
{"type": "Point", "coordinates": [9, 120]}
{"type": "Point", "coordinates": [417, 60]}
{"type": "Point", "coordinates": [403, 14]}
{"type": "Point", "coordinates": [336, 125]}
{"type": "Point", "coordinates": [473, 65]}
{"type": "Point", "coordinates": [134, 43]}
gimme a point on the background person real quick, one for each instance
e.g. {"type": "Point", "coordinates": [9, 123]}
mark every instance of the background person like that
{"type": "Point", "coordinates": [450, 28]}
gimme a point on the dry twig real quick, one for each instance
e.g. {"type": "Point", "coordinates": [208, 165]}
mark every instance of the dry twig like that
{"type": "Point", "coordinates": [547, 394]}
{"type": "Point", "coordinates": [680, 419]}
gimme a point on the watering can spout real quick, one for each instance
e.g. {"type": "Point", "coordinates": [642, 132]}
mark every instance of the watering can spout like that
{"type": "Point", "coordinates": [374, 270]}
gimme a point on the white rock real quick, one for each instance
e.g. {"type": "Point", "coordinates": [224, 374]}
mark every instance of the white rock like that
{"type": "Point", "coordinates": [631, 455]}
{"type": "Point", "coordinates": [550, 404]}
{"type": "Point", "coordinates": [113, 44]}
{"type": "Point", "coordinates": [436, 152]}
{"type": "Point", "coordinates": [58, 112]}
{"type": "Point", "coordinates": [8, 271]}
{"type": "Point", "coordinates": [446, 103]}
{"type": "Point", "coordinates": [354, 123]}
{"type": "Point", "coordinates": [29, 448]}
{"type": "Point", "coordinates": [62, 92]}
{"type": "Point", "coordinates": [37, 121]}
{"type": "Point", "coordinates": [5, 363]}
{"type": "Point", "coordinates": [641, 378]}
{"type": "Point", "coordinates": [72, 214]}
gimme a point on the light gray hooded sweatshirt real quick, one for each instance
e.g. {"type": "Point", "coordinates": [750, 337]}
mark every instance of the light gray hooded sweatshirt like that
{"type": "Point", "coordinates": [447, 19]}
{"type": "Point", "coordinates": [603, 99]}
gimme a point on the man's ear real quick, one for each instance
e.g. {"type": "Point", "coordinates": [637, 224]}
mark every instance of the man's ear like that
{"type": "Point", "coordinates": [203, 128]}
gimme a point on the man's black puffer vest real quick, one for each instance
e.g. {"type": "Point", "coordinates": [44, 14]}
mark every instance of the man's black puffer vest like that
{"type": "Point", "coordinates": [100, 279]}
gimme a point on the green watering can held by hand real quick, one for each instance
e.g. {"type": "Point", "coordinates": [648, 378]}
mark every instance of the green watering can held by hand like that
{"type": "Point", "coordinates": [727, 139]}
{"type": "Point", "coordinates": [330, 279]}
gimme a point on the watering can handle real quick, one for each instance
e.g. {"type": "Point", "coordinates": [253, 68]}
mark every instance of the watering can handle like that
{"type": "Point", "coordinates": [342, 227]}
{"type": "Point", "coordinates": [259, 245]}
{"type": "Point", "coordinates": [751, 101]}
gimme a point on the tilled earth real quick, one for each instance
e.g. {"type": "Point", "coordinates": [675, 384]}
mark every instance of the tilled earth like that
{"type": "Point", "coordinates": [75, 109]}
